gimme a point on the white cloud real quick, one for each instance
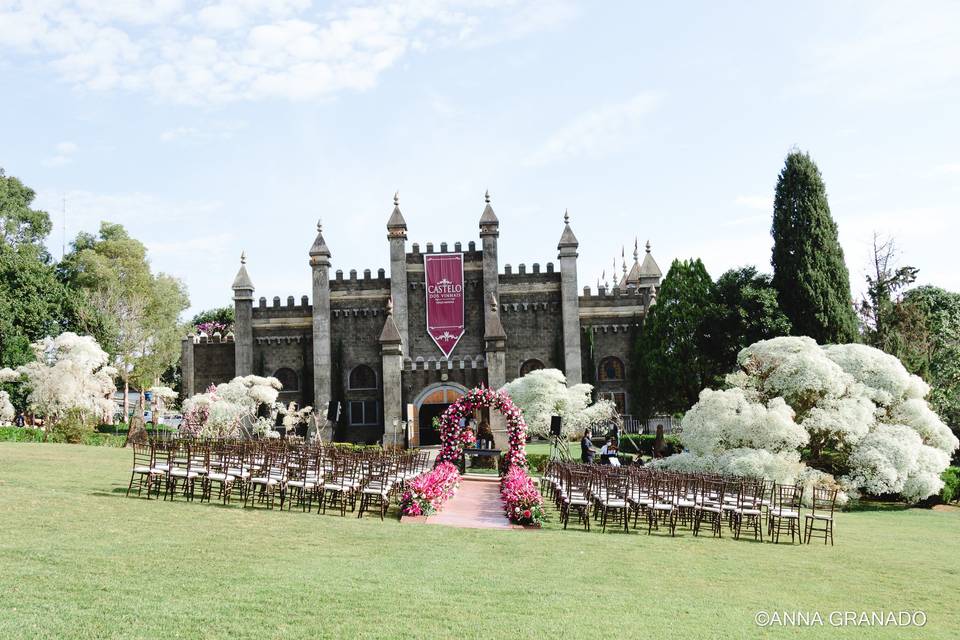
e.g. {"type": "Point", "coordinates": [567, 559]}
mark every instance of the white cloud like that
{"type": "Point", "coordinates": [219, 130]}
{"type": "Point", "coordinates": [761, 203]}
{"type": "Point", "coordinates": [63, 154]}
{"type": "Point", "coordinates": [598, 132]}
{"type": "Point", "coordinates": [251, 49]}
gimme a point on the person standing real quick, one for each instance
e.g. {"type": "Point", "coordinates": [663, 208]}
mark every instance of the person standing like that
{"type": "Point", "coordinates": [587, 450]}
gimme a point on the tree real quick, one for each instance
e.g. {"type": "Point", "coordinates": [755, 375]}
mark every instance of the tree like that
{"type": "Point", "coordinates": [925, 333]}
{"type": "Point", "coordinates": [809, 273]}
{"type": "Point", "coordinates": [223, 410]}
{"type": "Point", "coordinates": [143, 309]}
{"type": "Point", "coordinates": [847, 416]}
{"type": "Point", "coordinates": [884, 284]}
{"type": "Point", "coordinates": [544, 393]}
{"type": "Point", "coordinates": [69, 373]}
{"type": "Point", "coordinates": [673, 351]}
{"type": "Point", "coordinates": [34, 303]}
{"type": "Point", "coordinates": [220, 319]}
{"type": "Point", "coordinates": [746, 311]}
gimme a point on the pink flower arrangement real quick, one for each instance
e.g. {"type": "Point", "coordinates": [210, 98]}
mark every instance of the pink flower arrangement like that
{"type": "Point", "coordinates": [522, 501]}
{"type": "Point", "coordinates": [429, 491]}
{"type": "Point", "coordinates": [454, 438]}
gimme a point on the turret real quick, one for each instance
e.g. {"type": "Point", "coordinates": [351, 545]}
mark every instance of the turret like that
{"type": "Point", "coordinates": [567, 248]}
{"type": "Point", "coordinates": [489, 232]}
{"type": "Point", "coordinates": [397, 236]}
{"type": "Point", "coordinates": [320, 267]}
{"type": "Point", "coordinates": [243, 320]}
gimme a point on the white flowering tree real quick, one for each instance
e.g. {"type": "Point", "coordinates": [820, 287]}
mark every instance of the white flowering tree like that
{"type": "Point", "coordinates": [795, 411]}
{"type": "Point", "coordinates": [544, 393]}
{"type": "Point", "coordinates": [7, 412]}
{"type": "Point", "coordinates": [163, 398]}
{"type": "Point", "coordinates": [223, 409]}
{"type": "Point", "coordinates": [70, 373]}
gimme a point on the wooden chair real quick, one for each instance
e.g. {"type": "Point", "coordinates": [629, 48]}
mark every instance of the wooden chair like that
{"type": "Point", "coordinates": [181, 467]}
{"type": "Point", "coordinates": [784, 514]}
{"type": "Point", "coordinates": [663, 507]}
{"type": "Point", "coordinates": [376, 488]}
{"type": "Point", "coordinates": [144, 470]}
{"type": "Point", "coordinates": [575, 485]}
{"type": "Point", "coordinates": [749, 509]}
{"type": "Point", "coordinates": [821, 512]}
{"type": "Point", "coordinates": [709, 507]}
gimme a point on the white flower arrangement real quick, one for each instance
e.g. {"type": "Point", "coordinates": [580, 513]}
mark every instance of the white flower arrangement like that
{"type": "Point", "coordinates": [859, 402]}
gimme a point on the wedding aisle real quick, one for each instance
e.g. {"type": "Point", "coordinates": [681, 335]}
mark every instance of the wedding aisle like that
{"type": "Point", "coordinates": [477, 505]}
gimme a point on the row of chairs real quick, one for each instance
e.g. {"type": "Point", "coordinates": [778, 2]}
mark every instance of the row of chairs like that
{"type": "Point", "coordinates": [697, 501]}
{"type": "Point", "coordinates": [261, 472]}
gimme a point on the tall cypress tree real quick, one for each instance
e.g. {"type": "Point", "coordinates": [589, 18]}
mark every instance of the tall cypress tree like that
{"type": "Point", "coordinates": [809, 274]}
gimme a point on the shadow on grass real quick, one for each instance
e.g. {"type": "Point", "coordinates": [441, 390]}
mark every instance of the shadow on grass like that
{"type": "Point", "coordinates": [861, 506]}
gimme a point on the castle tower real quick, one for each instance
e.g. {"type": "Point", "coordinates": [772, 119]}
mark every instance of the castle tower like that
{"type": "Point", "coordinates": [397, 236]}
{"type": "Point", "coordinates": [489, 232]}
{"type": "Point", "coordinates": [570, 301]}
{"type": "Point", "coordinates": [243, 320]}
{"type": "Point", "coordinates": [391, 353]}
{"type": "Point", "coordinates": [320, 266]}
{"type": "Point", "coordinates": [495, 348]}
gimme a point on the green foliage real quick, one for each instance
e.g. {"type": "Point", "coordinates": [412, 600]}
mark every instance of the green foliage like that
{"type": "Point", "coordinates": [20, 434]}
{"type": "Point", "coordinates": [673, 350]}
{"type": "Point", "coordinates": [809, 272]}
{"type": "Point", "coordinates": [34, 303]}
{"type": "Point", "coordinates": [885, 281]}
{"type": "Point", "coordinates": [642, 444]}
{"type": "Point", "coordinates": [926, 337]}
{"type": "Point", "coordinates": [73, 428]}
{"type": "Point", "coordinates": [951, 484]}
{"type": "Point", "coordinates": [142, 332]}
{"type": "Point", "coordinates": [224, 315]}
{"type": "Point", "coordinates": [746, 311]}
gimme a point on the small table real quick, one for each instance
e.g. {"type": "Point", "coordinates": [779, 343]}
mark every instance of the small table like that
{"type": "Point", "coordinates": [480, 453]}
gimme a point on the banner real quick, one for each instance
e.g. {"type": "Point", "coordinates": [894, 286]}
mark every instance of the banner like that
{"type": "Point", "coordinates": [443, 273]}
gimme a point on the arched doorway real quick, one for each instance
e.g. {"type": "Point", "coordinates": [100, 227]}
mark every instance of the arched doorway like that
{"type": "Point", "coordinates": [429, 404]}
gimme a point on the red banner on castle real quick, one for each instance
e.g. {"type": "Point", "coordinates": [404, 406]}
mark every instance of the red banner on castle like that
{"type": "Point", "coordinates": [443, 273]}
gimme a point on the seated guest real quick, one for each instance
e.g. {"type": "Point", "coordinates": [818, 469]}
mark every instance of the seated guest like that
{"type": "Point", "coordinates": [608, 452]}
{"type": "Point", "coordinates": [586, 448]}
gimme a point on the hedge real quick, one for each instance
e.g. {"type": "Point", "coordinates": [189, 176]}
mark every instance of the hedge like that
{"type": "Point", "coordinates": [28, 434]}
{"type": "Point", "coordinates": [631, 442]}
{"type": "Point", "coordinates": [951, 484]}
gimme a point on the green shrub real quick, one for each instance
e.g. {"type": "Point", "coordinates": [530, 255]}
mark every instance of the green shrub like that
{"type": "Point", "coordinates": [951, 486]}
{"type": "Point", "coordinates": [20, 434]}
{"type": "Point", "coordinates": [73, 428]}
{"type": "Point", "coordinates": [643, 442]}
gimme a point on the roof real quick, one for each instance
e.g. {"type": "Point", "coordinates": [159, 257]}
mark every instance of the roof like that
{"type": "Point", "coordinates": [243, 281]}
{"type": "Point", "coordinates": [319, 247]}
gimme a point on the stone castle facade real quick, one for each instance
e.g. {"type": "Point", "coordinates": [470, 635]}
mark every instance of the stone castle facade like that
{"type": "Point", "coordinates": [362, 339]}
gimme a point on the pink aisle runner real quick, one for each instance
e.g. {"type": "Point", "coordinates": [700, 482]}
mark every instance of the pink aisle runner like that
{"type": "Point", "coordinates": [476, 504]}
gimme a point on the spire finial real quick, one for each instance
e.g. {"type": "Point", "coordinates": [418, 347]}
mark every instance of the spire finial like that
{"type": "Point", "coordinates": [486, 196]}
{"type": "Point", "coordinates": [390, 306]}
{"type": "Point", "coordinates": [243, 257]}
{"type": "Point", "coordinates": [319, 225]}
{"type": "Point", "coordinates": [636, 253]}
{"type": "Point", "coordinates": [566, 216]}
{"type": "Point", "coordinates": [648, 246]}
{"type": "Point", "coordinates": [396, 198]}
{"type": "Point", "coordinates": [493, 303]}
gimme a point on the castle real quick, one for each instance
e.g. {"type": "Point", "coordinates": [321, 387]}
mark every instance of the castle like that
{"type": "Point", "coordinates": [367, 342]}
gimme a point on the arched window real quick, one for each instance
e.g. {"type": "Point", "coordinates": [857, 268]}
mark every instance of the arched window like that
{"type": "Point", "coordinates": [288, 378]}
{"type": "Point", "coordinates": [610, 370]}
{"type": "Point", "coordinates": [530, 365]}
{"type": "Point", "coordinates": [362, 377]}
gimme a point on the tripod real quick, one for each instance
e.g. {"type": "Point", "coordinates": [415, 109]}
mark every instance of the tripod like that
{"type": "Point", "coordinates": [559, 449]}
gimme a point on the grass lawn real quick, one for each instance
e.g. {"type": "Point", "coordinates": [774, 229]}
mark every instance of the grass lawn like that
{"type": "Point", "coordinates": [79, 560]}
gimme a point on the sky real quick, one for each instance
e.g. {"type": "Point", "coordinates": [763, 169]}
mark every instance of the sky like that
{"type": "Point", "coordinates": [210, 128]}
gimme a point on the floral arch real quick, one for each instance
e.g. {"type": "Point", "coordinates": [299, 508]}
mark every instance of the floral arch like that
{"type": "Point", "coordinates": [454, 437]}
